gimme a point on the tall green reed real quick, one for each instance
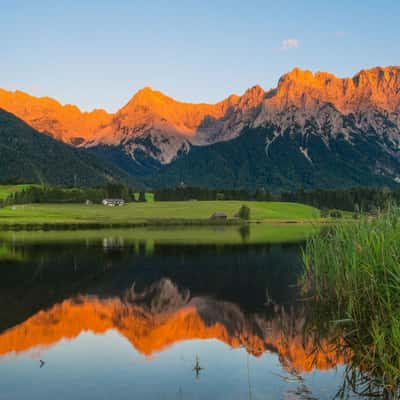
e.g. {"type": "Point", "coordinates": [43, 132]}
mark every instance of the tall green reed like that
{"type": "Point", "coordinates": [352, 273]}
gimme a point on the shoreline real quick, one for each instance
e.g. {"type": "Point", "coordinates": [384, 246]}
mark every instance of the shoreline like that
{"type": "Point", "coordinates": [48, 226]}
{"type": "Point", "coordinates": [59, 226]}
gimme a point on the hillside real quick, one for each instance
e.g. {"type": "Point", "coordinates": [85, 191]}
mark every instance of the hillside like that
{"type": "Point", "coordinates": [28, 156]}
{"type": "Point", "coordinates": [292, 161]}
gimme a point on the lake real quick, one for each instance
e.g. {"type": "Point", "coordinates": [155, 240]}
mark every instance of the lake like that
{"type": "Point", "coordinates": [200, 313]}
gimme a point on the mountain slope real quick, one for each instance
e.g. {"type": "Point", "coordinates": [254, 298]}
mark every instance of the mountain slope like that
{"type": "Point", "coordinates": [289, 162]}
{"type": "Point", "coordinates": [312, 130]}
{"type": "Point", "coordinates": [156, 127]}
{"type": "Point", "coordinates": [29, 156]}
{"type": "Point", "coordinates": [150, 123]}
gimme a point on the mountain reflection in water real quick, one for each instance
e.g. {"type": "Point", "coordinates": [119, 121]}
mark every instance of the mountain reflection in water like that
{"type": "Point", "coordinates": [158, 299]}
{"type": "Point", "coordinates": [156, 319]}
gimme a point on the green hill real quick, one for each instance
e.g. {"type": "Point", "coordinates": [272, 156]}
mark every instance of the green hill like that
{"type": "Point", "coordinates": [29, 156]}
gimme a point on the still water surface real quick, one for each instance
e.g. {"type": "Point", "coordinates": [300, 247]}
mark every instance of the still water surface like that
{"type": "Point", "coordinates": [122, 315]}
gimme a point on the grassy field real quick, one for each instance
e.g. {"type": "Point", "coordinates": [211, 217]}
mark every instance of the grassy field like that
{"type": "Point", "coordinates": [6, 190]}
{"type": "Point", "coordinates": [141, 212]}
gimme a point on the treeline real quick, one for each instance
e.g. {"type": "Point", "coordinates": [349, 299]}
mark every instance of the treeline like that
{"type": "Point", "coordinates": [202, 193]}
{"type": "Point", "coordinates": [354, 199]}
{"type": "Point", "coordinates": [14, 181]}
{"type": "Point", "coordinates": [361, 199]}
{"type": "Point", "coordinates": [56, 194]}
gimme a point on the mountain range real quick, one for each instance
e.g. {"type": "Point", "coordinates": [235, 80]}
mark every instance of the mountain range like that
{"type": "Point", "coordinates": [311, 130]}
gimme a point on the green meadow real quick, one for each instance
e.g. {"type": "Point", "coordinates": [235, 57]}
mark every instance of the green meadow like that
{"type": "Point", "coordinates": [141, 213]}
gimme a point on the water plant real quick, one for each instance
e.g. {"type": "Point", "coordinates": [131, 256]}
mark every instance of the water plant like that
{"type": "Point", "coordinates": [352, 274]}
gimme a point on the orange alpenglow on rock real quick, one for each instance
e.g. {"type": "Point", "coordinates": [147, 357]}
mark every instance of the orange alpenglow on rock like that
{"type": "Point", "coordinates": [151, 332]}
{"type": "Point", "coordinates": [151, 111]}
{"type": "Point", "coordinates": [64, 122]}
{"type": "Point", "coordinates": [377, 88]}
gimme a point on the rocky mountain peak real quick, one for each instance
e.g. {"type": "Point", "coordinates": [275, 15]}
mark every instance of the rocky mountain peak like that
{"type": "Point", "coordinates": [373, 88]}
{"type": "Point", "coordinates": [252, 97]}
{"type": "Point", "coordinates": [148, 96]}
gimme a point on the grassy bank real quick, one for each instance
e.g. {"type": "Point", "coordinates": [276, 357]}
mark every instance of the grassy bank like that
{"type": "Point", "coordinates": [143, 214]}
{"type": "Point", "coordinates": [353, 275]}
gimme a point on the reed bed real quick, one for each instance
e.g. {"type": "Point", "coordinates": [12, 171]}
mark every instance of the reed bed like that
{"type": "Point", "coordinates": [352, 273]}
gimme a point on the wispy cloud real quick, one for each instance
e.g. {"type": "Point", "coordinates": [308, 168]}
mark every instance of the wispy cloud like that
{"type": "Point", "coordinates": [288, 44]}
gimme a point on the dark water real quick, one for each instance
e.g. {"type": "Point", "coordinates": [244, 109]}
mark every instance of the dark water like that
{"type": "Point", "coordinates": [117, 318]}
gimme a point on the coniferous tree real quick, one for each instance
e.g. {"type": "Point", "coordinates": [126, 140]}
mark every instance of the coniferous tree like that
{"type": "Point", "coordinates": [244, 212]}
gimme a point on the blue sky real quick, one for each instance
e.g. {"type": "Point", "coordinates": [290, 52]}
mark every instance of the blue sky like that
{"type": "Point", "coordinates": [97, 53]}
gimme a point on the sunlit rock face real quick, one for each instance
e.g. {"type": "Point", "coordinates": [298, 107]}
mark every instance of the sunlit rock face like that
{"type": "Point", "coordinates": [368, 102]}
{"type": "Point", "coordinates": [64, 122]}
{"type": "Point", "coordinates": [163, 128]}
{"type": "Point", "coordinates": [161, 316]}
{"type": "Point", "coordinates": [150, 122]}
{"type": "Point", "coordinates": [152, 110]}
{"type": "Point", "coordinates": [376, 88]}
{"type": "Point", "coordinates": [156, 127]}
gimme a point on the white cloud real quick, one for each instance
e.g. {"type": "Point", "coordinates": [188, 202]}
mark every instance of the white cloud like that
{"type": "Point", "coordinates": [290, 44]}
